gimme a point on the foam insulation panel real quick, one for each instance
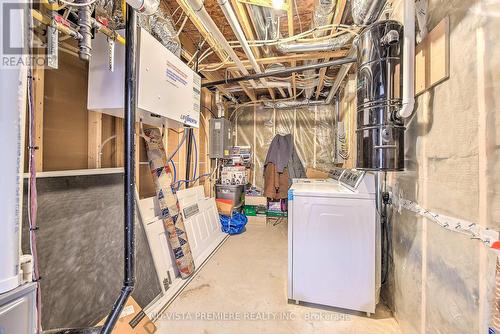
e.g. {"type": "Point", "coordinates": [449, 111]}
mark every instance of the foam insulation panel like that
{"type": "Point", "coordinates": [442, 281]}
{"type": "Point", "coordinates": [80, 247]}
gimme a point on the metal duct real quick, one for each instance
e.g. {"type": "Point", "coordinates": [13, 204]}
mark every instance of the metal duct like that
{"type": "Point", "coordinates": [292, 104]}
{"type": "Point", "coordinates": [161, 27]}
{"type": "Point", "coordinates": [85, 30]}
{"type": "Point", "coordinates": [326, 45]}
{"type": "Point", "coordinates": [380, 132]}
{"type": "Point", "coordinates": [365, 12]}
{"type": "Point", "coordinates": [323, 14]}
{"type": "Point", "coordinates": [158, 24]}
{"type": "Point", "coordinates": [360, 13]}
{"type": "Point", "coordinates": [265, 24]}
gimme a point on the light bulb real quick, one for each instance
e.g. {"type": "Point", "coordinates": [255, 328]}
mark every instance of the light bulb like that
{"type": "Point", "coordinates": [278, 4]}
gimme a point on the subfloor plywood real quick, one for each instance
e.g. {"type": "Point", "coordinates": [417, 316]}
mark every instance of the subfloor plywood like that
{"type": "Point", "coordinates": [247, 278]}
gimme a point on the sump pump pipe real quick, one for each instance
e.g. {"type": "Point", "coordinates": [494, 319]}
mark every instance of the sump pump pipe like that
{"type": "Point", "coordinates": [408, 102]}
{"type": "Point", "coordinates": [129, 172]}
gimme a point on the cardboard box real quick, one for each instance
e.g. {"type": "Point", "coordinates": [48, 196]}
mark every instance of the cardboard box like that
{"type": "Point", "coordinates": [255, 200]}
{"type": "Point", "coordinates": [316, 174]}
{"type": "Point", "coordinates": [234, 175]}
{"type": "Point", "coordinates": [225, 206]}
{"type": "Point", "coordinates": [132, 320]}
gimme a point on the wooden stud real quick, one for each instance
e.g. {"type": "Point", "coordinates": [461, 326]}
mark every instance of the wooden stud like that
{"type": "Point", "coordinates": [119, 144]}
{"type": "Point", "coordinates": [38, 97]}
{"type": "Point", "coordinates": [137, 157]}
{"type": "Point", "coordinates": [94, 139]}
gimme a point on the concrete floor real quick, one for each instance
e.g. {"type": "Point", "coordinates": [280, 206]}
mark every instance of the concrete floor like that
{"type": "Point", "coordinates": [242, 289]}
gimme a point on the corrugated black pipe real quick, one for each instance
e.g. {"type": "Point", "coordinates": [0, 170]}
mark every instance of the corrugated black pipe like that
{"type": "Point", "coordinates": [281, 73]}
{"type": "Point", "coordinates": [129, 177]}
{"type": "Point", "coordinates": [188, 155]}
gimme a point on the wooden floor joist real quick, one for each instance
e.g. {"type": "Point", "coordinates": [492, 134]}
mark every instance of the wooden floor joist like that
{"type": "Point", "coordinates": [339, 13]}
{"type": "Point", "coordinates": [208, 37]}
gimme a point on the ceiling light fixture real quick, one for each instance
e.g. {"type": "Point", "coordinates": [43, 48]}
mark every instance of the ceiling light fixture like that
{"type": "Point", "coordinates": [278, 4]}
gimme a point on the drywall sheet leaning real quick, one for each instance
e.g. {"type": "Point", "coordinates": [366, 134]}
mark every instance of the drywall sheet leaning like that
{"type": "Point", "coordinates": [80, 247]}
{"type": "Point", "coordinates": [167, 200]}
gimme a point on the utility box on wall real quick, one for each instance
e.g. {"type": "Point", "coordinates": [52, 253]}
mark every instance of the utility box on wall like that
{"type": "Point", "coordinates": [168, 91]}
{"type": "Point", "coordinates": [220, 138]}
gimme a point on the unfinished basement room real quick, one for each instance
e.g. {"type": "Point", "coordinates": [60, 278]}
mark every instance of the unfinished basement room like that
{"type": "Point", "coordinates": [250, 166]}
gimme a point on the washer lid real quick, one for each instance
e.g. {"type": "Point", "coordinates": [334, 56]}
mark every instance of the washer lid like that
{"type": "Point", "coordinates": [325, 190]}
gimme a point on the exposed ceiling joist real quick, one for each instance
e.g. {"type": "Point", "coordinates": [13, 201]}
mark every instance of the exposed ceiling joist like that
{"type": "Point", "coordinates": [265, 3]}
{"type": "Point", "coordinates": [213, 44]}
{"type": "Point", "coordinates": [242, 15]}
{"type": "Point", "coordinates": [339, 13]}
{"type": "Point", "coordinates": [284, 59]}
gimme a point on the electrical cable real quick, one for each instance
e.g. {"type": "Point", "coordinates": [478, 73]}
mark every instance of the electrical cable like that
{"type": "Point", "coordinates": [83, 4]}
{"type": "Point", "coordinates": [195, 157]}
{"type": "Point", "coordinates": [174, 170]}
{"type": "Point", "coordinates": [32, 189]}
{"type": "Point", "coordinates": [178, 146]}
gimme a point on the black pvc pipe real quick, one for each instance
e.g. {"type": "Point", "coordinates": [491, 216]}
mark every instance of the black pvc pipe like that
{"type": "Point", "coordinates": [188, 155]}
{"type": "Point", "coordinates": [280, 73]}
{"type": "Point", "coordinates": [129, 167]}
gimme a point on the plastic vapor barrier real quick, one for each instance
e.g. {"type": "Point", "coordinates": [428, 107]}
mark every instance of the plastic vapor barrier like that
{"type": "Point", "coordinates": [312, 128]}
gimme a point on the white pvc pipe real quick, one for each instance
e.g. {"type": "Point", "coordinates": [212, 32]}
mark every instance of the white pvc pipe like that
{"type": "Point", "coordinates": [408, 60]}
{"type": "Point", "coordinates": [240, 35]}
{"type": "Point", "coordinates": [199, 9]}
{"type": "Point", "coordinates": [12, 117]}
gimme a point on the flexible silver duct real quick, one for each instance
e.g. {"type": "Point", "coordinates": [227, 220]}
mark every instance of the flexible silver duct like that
{"type": "Point", "coordinates": [85, 24]}
{"type": "Point", "coordinates": [365, 12]}
{"type": "Point", "coordinates": [325, 45]}
{"type": "Point", "coordinates": [292, 104]}
{"type": "Point", "coordinates": [161, 27]}
{"type": "Point", "coordinates": [158, 24]}
{"type": "Point", "coordinates": [266, 25]}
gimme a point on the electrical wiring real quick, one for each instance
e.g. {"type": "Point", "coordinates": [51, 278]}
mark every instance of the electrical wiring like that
{"type": "Point", "coordinates": [238, 107]}
{"type": "Point", "coordinates": [32, 188]}
{"type": "Point", "coordinates": [181, 27]}
{"type": "Point", "coordinates": [83, 4]}
{"type": "Point", "coordinates": [174, 170]}
{"type": "Point", "coordinates": [195, 156]}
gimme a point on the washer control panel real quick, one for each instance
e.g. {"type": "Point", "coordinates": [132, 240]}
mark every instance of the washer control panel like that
{"type": "Point", "coordinates": [336, 173]}
{"type": "Point", "coordinates": [352, 178]}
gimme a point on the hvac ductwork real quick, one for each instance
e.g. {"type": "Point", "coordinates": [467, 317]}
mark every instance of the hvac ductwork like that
{"type": "Point", "coordinates": [292, 104]}
{"type": "Point", "coordinates": [326, 45]}
{"type": "Point", "coordinates": [365, 12]}
{"type": "Point", "coordinates": [158, 24]}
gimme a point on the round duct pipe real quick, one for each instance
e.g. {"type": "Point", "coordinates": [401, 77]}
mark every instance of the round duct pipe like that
{"type": "Point", "coordinates": [380, 132]}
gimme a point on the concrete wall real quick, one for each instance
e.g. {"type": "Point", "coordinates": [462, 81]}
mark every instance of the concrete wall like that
{"type": "Point", "coordinates": [441, 280]}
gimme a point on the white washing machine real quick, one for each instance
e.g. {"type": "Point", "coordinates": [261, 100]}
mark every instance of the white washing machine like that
{"type": "Point", "coordinates": [333, 242]}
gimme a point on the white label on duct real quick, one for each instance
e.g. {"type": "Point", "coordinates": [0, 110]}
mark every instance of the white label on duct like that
{"type": "Point", "coordinates": [127, 310]}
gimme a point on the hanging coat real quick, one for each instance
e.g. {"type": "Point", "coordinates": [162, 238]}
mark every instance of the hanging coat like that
{"type": "Point", "coordinates": [275, 183]}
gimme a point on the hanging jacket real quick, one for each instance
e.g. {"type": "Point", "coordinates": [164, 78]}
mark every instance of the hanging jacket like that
{"type": "Point", "coordinates": [275, 183]}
